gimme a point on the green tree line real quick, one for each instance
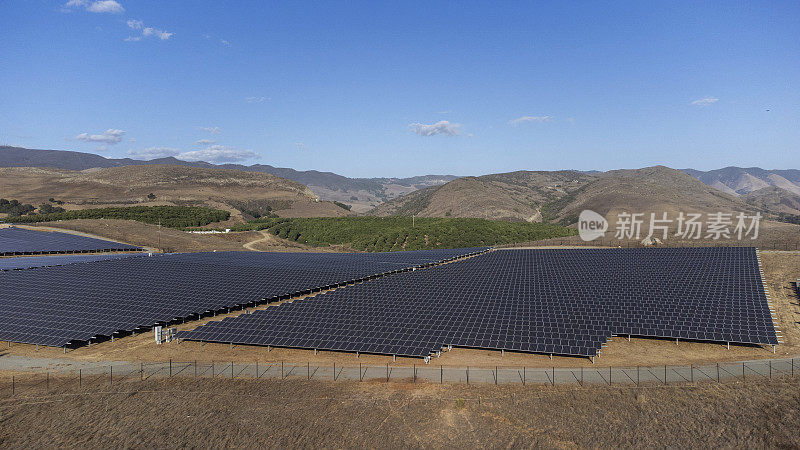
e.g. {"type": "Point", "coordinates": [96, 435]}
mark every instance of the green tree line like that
{"type": "Point", "coordinates": [381, 234]}
{"type": "Point", "coordinates": [168, 216]}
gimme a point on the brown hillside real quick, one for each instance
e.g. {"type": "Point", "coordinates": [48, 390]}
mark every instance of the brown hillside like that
{"type": "Point", "coordinates": [655, 189]}
{"type": "Point", "coordinates": [180, 185]}
{"type": "Point", "coordinates": [774, 199]}
{"type": "Point", "coordinates": [508, 196]}
{"type": "Point", "coordinates": [561, 196]}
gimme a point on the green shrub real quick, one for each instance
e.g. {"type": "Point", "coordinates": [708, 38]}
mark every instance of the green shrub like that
{"type": "Point", "coordinates": [168, 216]}
{"type": "Point", "coordinates": [396, 233]}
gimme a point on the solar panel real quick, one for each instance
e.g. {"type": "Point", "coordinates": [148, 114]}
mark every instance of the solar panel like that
{"type": "Point", "coordinates": [21, 241]}
{"type": "Point", "coordinates": [557, 301]}
{"type": "Point", "coordinates": [31, 262]}
{"type": "Point", "coordinates": [76, 302]}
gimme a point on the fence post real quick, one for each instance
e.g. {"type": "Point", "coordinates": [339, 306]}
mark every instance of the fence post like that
{"type": "Point", "coordinates": [80, 378]}
{"type": "Point", "coordinates": [554, 376]}
{"type": "Point", "coordinates": [793, 367]}
{"type": "Point", "coordinates": [637, 376]}
{"type": "Point", "coordinates": [111, 373]}
{"type": "Point", "coordinates": [743, 377]}
{"type": "Point", "coordinates": [441, 375]}
{"type": "Point", "coordinates": [467, 374]}
{"type": "Point", "coordinates": [609, 375]}
{"type": "Point", "coordinates": [496, 374]}
{"type": "Point", "coordinates": [334, 371]}
{"type": "Point", "coordinates": [12, 382]}
{"type": "Point", "coordinates": [717, 372]}
{"type": "Point", "coordinates": [170, 367]}
{"type": "Point", "coordinates": [770, 369]}
{"type": "Point", "coordinates": [308, 369]}
{"type": "Point", "coordinates": [47, 383]}
{"type": "Point", "coordinates": [581, 375]}
{"type": "Point", "coordinates": [141, 372]}
{"type": "Point", "coordinates": [415, 372]}
{"type": "Point", "coordinates": [195, 368]}
{"type": "Point", "coordinates": [231, 370]}
{"type": "Point", "coordinates": [691, 372]}
{"type": "Point", "coordinates": [523, 375]}
{"type": "Point", "coordinates": [665, 374]}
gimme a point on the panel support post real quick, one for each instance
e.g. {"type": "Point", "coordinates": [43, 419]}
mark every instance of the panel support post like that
{"type": "Point", "coordinates": [729, 345]}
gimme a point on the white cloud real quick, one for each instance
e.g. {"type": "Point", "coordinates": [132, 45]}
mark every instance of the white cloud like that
{"type": "Point", "coordinates": [154, 152]}
{"type": "Point", "coordinates": [150, 31]}
{"type": "Point", "coordinates": [441, 127]}
{"type": "Point", "coordinates": [300, 145]}
{"type": "Point", "coordinates": [99, 6]}
{"type": "Point", "coordinates": [705, 101]}
{"type": "Point", "coordinates": [255, 99]}
{"type": "Point", "coordinates": [105, 6]}
{"type": "Point", "coordinates": [224, 42]}
{"type": "Point", "coordinates": [218, 154]}
{"type": "Point", "coordinates": [135, 24]}
{"type": "Point", "coordinates": [110, 136]}
{"type": "Point", "coordinates": [529, 119]}
{"type": "Point", "coordinates": [205, 142]}
{"type": "Point", "coordinates": [212, 130]}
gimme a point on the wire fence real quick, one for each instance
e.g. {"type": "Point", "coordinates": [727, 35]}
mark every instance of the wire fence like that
{"type": "Point", "coordinates": [100, 377]}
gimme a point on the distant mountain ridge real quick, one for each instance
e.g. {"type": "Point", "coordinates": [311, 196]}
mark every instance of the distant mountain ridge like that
{"type": "Point", "coordinates": [362, 192]}
{"type": "Point", "coordinates": [744, 180]}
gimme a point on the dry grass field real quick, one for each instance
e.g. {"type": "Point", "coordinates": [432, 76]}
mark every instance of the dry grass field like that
{"type": "Point", "coordinates": [146, 235]}
{"type": "Point", "coordinates": [213, 413]}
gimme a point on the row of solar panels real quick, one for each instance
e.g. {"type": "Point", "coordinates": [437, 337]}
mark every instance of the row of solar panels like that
{"type": "Point", "coordinates": [74, 303]}
{"type": "Point", "coordinates": [21, 241]}
{"type": "Point", "coordinates": [582, 298]}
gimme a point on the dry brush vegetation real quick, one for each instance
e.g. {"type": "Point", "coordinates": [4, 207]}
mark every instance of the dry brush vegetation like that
{"type": "Point", "coordinates": [295, 413]}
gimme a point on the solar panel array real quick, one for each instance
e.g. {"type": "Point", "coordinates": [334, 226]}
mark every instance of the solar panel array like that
{"type": "Point", "coordinates": [21, 241]}
{"type": "Point", "coordinates": [556, 301]}
{"type": "Point", "coordinates": [32, 262]}
{"type": "Point", "coordinates": [65, 304]}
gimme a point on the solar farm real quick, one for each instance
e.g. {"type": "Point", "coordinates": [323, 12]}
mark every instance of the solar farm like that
{"type": "Point", "coordinates": [20, 241]}
{"type": "Point", "coordinates": [566, 302]}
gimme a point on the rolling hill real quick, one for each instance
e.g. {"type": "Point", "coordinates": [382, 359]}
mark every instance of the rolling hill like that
{"type": "Point", "coordinates": [560, 196]}
{"type": "Point", "coordinates": [515, 196]}
{"type": "Point", "coordinates": [362, 193]}
{"type": "Point", "coordinates": [774, 199]}
{"type": "Point", "coordinates": [741, 181]}
{"type": "Point", "coordinates": [233, 190]}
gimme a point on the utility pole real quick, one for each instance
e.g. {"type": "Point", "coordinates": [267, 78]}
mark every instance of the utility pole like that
{"type": "Point", "coordinates": [159, 235]}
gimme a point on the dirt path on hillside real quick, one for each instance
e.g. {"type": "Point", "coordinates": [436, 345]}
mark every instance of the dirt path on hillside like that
{"type": "Point", "coordinates": [265, 237]}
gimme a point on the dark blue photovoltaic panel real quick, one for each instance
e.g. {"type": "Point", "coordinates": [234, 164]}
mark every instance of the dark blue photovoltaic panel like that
{"type": "Point", "coordinates": [75, 302]}
{"type": "Point", "coordinates": [21, 241]}
{"type": "Point", "coordinates": [30, 262]}
{"type": "Point", "coordinates": [555, 301]}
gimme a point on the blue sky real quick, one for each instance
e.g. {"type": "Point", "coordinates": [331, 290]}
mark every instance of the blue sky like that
{"type": "Point", "coordinates": [400, 88]}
